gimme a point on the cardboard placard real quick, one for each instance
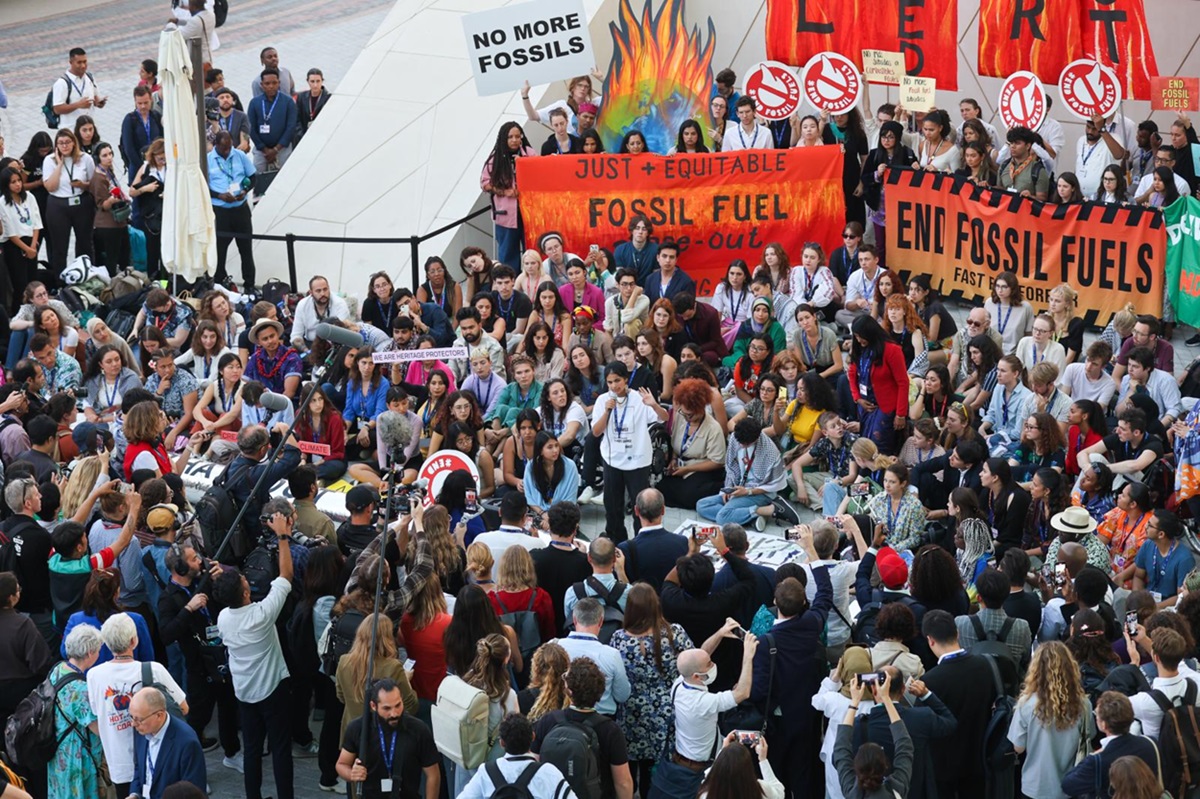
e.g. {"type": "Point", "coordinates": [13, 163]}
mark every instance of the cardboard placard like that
{"type": "Point", "coordinates": [1174, 94]}
{"type": "Point", "coordinates": [539, 42]}
{"type": "Point", "coordinates": [918, 94]}
{"type": "Point", "coordinates": [883, 67]}
{"type": "Point", "coordinates": [229, 435]}
{"type": "Point", "coordinates": [313, 448]}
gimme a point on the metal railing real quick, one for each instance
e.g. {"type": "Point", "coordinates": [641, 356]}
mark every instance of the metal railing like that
{"type": "Point", "coordinates": [290, 240]}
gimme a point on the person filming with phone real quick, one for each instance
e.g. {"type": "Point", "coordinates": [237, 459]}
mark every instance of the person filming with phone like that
{"type": "Point", "coordinates": [868, 773]}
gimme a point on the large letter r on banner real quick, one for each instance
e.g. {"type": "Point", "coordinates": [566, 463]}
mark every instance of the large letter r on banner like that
{"type": "Point", "coordinates": [1019, 13]}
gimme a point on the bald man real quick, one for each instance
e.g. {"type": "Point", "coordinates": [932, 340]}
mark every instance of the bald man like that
{"type": "Point", "coordinates": [165, 749]}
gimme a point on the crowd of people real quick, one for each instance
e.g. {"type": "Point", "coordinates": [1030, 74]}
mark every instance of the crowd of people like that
{"type": "Point", "coordinates": [992, 590]}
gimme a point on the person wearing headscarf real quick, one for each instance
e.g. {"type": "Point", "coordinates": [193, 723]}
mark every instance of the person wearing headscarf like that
{"type": "Point", "coordinates": [833, 699]}
{"type": "Point", "coordinates": [762, 320]}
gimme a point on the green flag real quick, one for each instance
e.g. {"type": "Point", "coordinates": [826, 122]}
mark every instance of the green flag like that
{"type": "Point", "coordinates": [1183, 258]}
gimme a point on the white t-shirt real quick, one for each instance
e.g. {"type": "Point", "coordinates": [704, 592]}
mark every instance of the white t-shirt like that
{"type": "Point", "coordinates": [250, 634]}
{"type": "Point", "coordinates": [575, 413]}
{"type": "Point", "coordinates": [111, 687]}
{"type": "Point", "coordinates": [79, 87]}
{"type": "Point", "coordinates": [1053, 134]}
{"type": "Point", "coordinates": [1147, 181]}
{"type": "Point", "coordinates": [20, 220]}
{"type": "Point", "coordinates": [72, 170]}
{"type": "Point", "coordinates": [1080, 386]}
{"type": "Point", "coordinates": [626, 441]}
{"type": "Point", "coordinates": [500, 540]}
{"type": "Point", "coordinates": [1090, 161]}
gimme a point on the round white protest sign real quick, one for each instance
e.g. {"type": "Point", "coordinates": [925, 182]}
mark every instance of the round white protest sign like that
{"type": "Point", "coordinates": [775, 90]}
{"type": "Point", "coordinates": [439, 465]}
{"type": "Point", "coordinates": [831, 82]}
{"type": "Point", "coordinates": [1023, 101]}
{"type": "Point", "coordinates": [1089, 89]}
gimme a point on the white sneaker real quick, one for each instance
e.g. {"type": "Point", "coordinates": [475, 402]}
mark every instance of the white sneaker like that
{"type": "Point", "coordinates": [760, 522]}
{"type": "Point", "coordinates": [587, 495]}
{"type": "Point", "coordinates": [338, 787]}
{"type": "Point", "coordinates": [599, 498]}
{"type": "Point", "coordinates": [236, 763]}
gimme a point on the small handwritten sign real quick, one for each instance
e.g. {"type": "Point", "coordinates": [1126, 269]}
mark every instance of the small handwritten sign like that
{"type": "Point", "coordinates": [918, 94]}
{"type": "Point", "coordinates": [883, 67]}
{"type": "Point", "coordinates": [434, 354]}
{"type": "Point", "coordinates": [313, 448]}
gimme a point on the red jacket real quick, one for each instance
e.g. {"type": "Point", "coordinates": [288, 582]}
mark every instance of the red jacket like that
{"type": "Point", "coordinates": [333, 433]}
{"type": "Point", "coordinates": [543, 608]}
{"type": "Point", "coordinates": [889, 379]}
{"type": "Point", "coordinates": [158, 451]}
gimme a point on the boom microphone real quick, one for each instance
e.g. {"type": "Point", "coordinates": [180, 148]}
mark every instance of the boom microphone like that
{"type": "Point", "coordinates": [339, 335]}
{"type": "Point", "coordinates": [395, 431]}
{"type": "Point", "coordinates": [274, 402]}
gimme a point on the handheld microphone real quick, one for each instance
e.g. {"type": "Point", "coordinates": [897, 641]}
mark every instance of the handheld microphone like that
{"type": "Point", "coordinates": [274, 402]}
{"type": "Point", "coordinates": [339, 335]}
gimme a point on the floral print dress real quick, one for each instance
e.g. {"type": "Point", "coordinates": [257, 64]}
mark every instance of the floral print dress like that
{"type": "Point", "coordinates": [72, 773]}
{"type": "Point", "coordinates": [642, 718]}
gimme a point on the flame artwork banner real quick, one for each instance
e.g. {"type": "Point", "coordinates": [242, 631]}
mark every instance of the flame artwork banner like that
{"type": "Point", "coordinates": [716, 206]}
{"type": "Point", "coordinates": [660, 76]}
{"type": "Point", "coordinates": [964, 235]}
{"type": "Point", "coordinates": [925, 31]}
{"type": "Point", "coordinates": [1043, 36]}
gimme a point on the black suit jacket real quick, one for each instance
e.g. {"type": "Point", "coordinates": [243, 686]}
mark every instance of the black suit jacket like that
{"type": "Point", "coordinates": [651, 554]}
{"type": "Point", "coordinates": [1090, 777]}
{"type": "Point", "coordinates": [964, 683]}
{"type": "Point", "coordinates": [305, 113]}
{"type": "Point", "coordinates": [927, 720]}
{"type": "Point", "coordinates": [934, 492]}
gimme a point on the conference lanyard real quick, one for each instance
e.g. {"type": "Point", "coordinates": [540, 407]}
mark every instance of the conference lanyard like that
{"type": "Point", "coordinates": [1006, 398]}
{"type": "Point", "coordinates": [737, 306]}
{"type": "Point", "coordinates": [267, 114]}
{"type": "Point", "coordinates": [146, 126]}
{"type": "Point", "coordinates": [1091, 150]}
{"type": "Point", "coordinates": [892, 518]}
{"type": "Point", "coordinates": [1002, 318]}
{"type": "Point", "coordinates": [810, 357]}
{"type": "Point", "coordinates": [688, 435]}
{"type": "Point", "coordinates": [225, 123]}
{"type": "Point", "coordinates": [389, 753]}
{"type": "Point", "coordinates": [619, 417]}
{"type": "Point", "coordinates": [753, 137]}
{"type": "Point", "coordinates": [488, 395]}
{"type": "Point", "coordinates": [748, 463]}
{"type": "Point", "coordinates": [1036, 359]}
{"type": "Point", "coordinates": [109, 399]}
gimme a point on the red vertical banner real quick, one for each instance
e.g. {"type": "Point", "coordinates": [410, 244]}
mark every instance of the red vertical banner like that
{"type": "Point", "coordinates": [925, 31]}
{"type": "Point", "coordinates": [1115, 34]}
{"type": "Point", "coordinates": [1043, 36]}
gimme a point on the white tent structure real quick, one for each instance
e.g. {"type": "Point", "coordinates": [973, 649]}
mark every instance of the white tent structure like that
{"type": "Point", "coordinates": [399, 148]}
{"type": "Point", "coordinates": [189, 240]}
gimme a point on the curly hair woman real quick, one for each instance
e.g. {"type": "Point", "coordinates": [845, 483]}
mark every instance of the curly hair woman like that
{"type": "Point", "coordinates": [1053, 713]}
{"type": "Point", "coordinates": [499, 178]}
{"type": "Point", "coordinates": [696, 467]}
{"type": "Point", "coordinates": [935, 581]}
{"type": "Point", "coordinates": [546, 691]}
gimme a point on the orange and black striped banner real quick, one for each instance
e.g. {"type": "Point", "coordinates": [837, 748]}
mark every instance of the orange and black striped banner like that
{"type": "Point", "coordinates": [963, 235]}
{"type": "Point", "coordinates": [716, 206]}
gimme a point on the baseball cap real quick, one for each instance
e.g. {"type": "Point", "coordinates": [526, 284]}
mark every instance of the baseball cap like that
{"type": "Point", "coordinates": [361, 497]}
{"type": "Point", "coordinates": [161, 518]}
{"type": "Point", "coordinates": [90, 437]}
{"type": "Point", "coordinates": [893, 571]}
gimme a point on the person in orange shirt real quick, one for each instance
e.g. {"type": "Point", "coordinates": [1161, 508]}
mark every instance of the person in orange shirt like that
{"type": "Point", "coordinates": [1123, 530]}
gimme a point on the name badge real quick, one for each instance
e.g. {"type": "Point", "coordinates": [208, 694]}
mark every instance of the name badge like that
{"type": "Point", "coordinates": [212, 633]}
{"type": "Point", "coordinates": [73, 201]}
{"type": "Point", "coordinates": [264, 128]}
{"type": "Point", "coordinates": [385, 786]}
{"type": "Point", "coordinates": [1158, 597]}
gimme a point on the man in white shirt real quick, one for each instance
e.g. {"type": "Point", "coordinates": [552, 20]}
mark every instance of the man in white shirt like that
{"type": "Point", "coordinates": [1098, 148]}
{"type": "Point", "coordinates": [696, 709]}
{"type": "Point", "coordinates": [1167, 650]}
{"type": "Point", "coordinates": [201, 24]}
{"type": "Point", "coordinates": [319, 306]}
{"type": "Point", "coordinates": [472, 336]}
{"type": "Point", "coordinates": [516, 736]}
{"type": "Point", "coordinates": [624, 314]}
{"type": "Point", "coordinates": [1163, 156]}
{"type": "Point", "coordinates": [512, 532]}
{"type": "Point", "coordinates": [75, 93]}
{"type": "Point", "coordinates": [841, 576]}
{"type": "Point", "coordinates": [1088, 380]}
{"type": "Point", "coordinates": [747, 134]}
{"type": "Point", "coordinates": [584, 642]}
{"type": "Point", "coordinates": [860, 287]}
{"type": "Point", "coordinates": [258, 671]}
{"type": "Point", "coordinates": [1054, 138]}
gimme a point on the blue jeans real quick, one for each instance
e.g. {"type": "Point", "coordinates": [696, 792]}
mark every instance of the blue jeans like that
{"type": "Point", "coordinates": [831, 496]}
{"type": "Point", "coordinates": [739, 510]}
{"type": "Point", "coordinates": [508, 246]}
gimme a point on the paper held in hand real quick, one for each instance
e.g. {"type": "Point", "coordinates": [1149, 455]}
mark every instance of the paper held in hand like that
{"type": "Point", "coordinates": [918, 94]}
{"type": "Point", "coordinates": [883, 67]}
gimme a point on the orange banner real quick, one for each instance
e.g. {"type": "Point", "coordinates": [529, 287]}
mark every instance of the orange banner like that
{"type": "Point", "coordinates": [716, 206]}
{"type": "Point", "coordinates": [925, 31]}
{"type": "Point", "coordinates": [964, 235]}
{"type": "Point", "coordinates": [1043, 36]}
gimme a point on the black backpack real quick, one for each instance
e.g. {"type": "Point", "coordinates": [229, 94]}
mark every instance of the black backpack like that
{"type": "Point", "coordinates": [301, 640]}
{"type": "Point", "coordinates": [8, 554]}
{"type": "Point", "coordinates": [864, 626]}
{"type": "Point", "coordinates": [260, 567]}
{"type": "Point", "coordinates": [994, 644]}
{"type": "Point", "coordinates": [574, 747]}
{"type": "Point", "coordinates": [999, 756]}
{"type": "Point", "coordinates": [614, 617]}
{"type": "Point", "coordinates": [340, 639]}
{"type": "Point", "coordinates": [52, 118]}
{"type": "Point", "coordinates": [29, 734]}
{"type": "Point", "coordinates": [503, 789]}
{"type": "Point", "coordinates": [525, 623]}
{"type": "Point", "coordinates": [1179, 741]}
{"type": "Point", "coordinates": [217, 510]}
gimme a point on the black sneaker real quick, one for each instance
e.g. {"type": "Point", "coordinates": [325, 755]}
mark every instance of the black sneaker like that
{"type": "Point", "coordinates": [1193, 341]}
{"type": "Point", "coordinates": [209, 744]}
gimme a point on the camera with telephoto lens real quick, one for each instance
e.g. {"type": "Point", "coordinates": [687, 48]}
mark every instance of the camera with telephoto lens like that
{"type": "Point", "coordinates": [271, 540]}
{"type": "Point", "coordinates": [212, 109]}
{"type": "Point", "coordinates": [406, 494]}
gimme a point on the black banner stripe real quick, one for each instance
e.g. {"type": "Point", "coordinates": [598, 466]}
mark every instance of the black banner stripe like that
{"type": "Point", "coordinates": [1110, 214]}
{"type": "Point", "coordinates": [977, 192]}
{"type": "Point", "coordinates": [1015, 203]}
{"type": "Point", "coordinates": [939, 180]}
{"type": "Point", "coordinates": [1133, 216]}
{"type": "Point", "coordinates": [1060, 212]}
{"type": "Point", "coordinates": [1085, 212]}
{"type": "Point", "coordinates": [996, 198]}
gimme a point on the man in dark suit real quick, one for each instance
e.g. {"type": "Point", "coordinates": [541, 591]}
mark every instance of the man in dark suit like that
{"type": "Point", "coordinates": [165, 750]}
{"type": "Point", "coordinates": [702, 327]}
{"type": "Point", "coordinates": [652, 552]}
{"type": "Point", "coordinates": [669, 280]}
{"type": "Point", "coordinates": [140, 127]}
{"type": "Point", "coordinates": [961, 467]}
{"type": "Point", "coordinates": [965, 684]}
{"type": "Point", "coordinates": [926, 720]}
{"type": "Point", "coordinates": [798, 669]}
{"type": "Point", "coordinates": [764, 576]}
{"type": "Point", "coordinates": [1114, 716]}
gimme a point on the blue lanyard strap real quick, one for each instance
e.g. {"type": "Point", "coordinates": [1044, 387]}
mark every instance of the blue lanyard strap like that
{"type": "Point", "coordinates": [387, 753]}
